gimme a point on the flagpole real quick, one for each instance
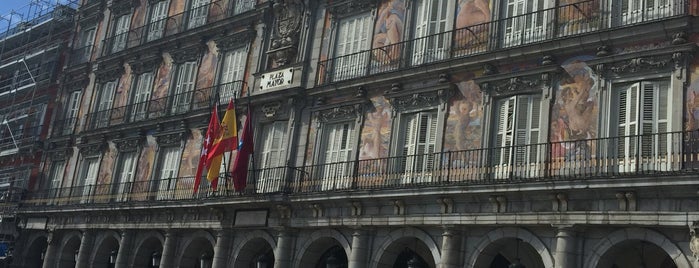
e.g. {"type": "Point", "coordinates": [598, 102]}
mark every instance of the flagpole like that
{"type": "Point", "coordinates": [230, 155]}
{"type": "Point", "coordinates": [217, 103]}
{"type": "Point", "coordinates": [252, 154]}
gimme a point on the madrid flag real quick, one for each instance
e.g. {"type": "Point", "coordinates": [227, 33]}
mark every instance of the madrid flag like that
{"type": "Point", "coordinates": [211, 133]}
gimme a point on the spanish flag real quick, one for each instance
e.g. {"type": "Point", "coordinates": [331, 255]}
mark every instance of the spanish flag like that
{"type": "Point", "coordinates": [227, 141]}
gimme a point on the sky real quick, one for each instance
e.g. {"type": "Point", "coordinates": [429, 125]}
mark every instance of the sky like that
{"type": "Point", "coordinates": [27, 9]}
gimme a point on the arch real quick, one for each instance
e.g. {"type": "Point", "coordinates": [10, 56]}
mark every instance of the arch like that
{"type": "Point", "coordinates": [395, 236]}
{"type": "Point", "coordinates": [512, 232]}
{"type": "Point", "coordinates": [144, 246]}
{"type": "Point", "coordinates": [65, 256]}
{"type": "Point", "coordinates": [249, 245]}
{"type": "Point", "coordinates": [317, 243]}
{"type": "Point", "coordinates": [105, 242]}
{"type": "Point", "coordinates": [37, 243]}
{"type": "Point", "coordinates": [642, 234]}
{"type": "Point", "coordinates": [202, 240]}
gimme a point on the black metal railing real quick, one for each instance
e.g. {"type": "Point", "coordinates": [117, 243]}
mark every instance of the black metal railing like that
{"type": "Point", "coordinates": [64, 127]}
{"type": "Point", "coordinates": [543, 25]}
{"type": "Point", "coordinates": [189, 19]}
{"type": "Point", "coordinates": [80, 55]}
{"type": "Point", "coordinates": [663, 154]}
{"type": "Point", "coordinates": [176, 104]}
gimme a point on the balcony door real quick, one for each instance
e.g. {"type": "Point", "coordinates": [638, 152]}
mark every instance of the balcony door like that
{"type": "Point", "coordinates": [232, 73]}
{"type": "Point", "coordinates": [337, 144]}
{"type": "Point", "coordinates": [157, 21]}
{"type": "Point", "coordinates": [352, 38]}
{"type": "Point", "coordinates": [167, 179]}
{"type": "Point", "coordinates": [88, 178]}
{"type": "Point", "coordinates": [141, 97]}
{"type": "Point", "coordinates": [516, 152]}
{"type": "Point", "coordinates": [126, 172]}
{"type": "Point", "coordinates": [525, 21]}
{"type": "Point", "coordinates": [432, 21]}
{"type": "Point", "coordinates": [419, 143]}
{"type": "Point", "coordinates": [104, 105]}
{"type": "Point", "coordinates": [273, 157]}
{"type": "Point", "coordinates": [635, 11]}
{"type": "Point", "coordinates": [198, 11]}
{"type": "Point", "coordinates": [121, 33]}
{"type": "Point", "coordinates": [184, 87]}
{"type": "Point", "coordinates": [72, 112]}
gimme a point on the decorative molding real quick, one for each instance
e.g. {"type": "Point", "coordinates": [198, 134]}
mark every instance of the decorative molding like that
{"type": "Point", "coordinates": [344, 8]}
{"type": "Point", "coordinates": [140, 65]}
{"type": "Point", "coordinates": [533, 80]}
{"type": "Point", "coordinates": [271, 110]}
{"type": "Point", "coordinates": [106, 73]}
{"type": "Point", "coordinates": [91, 149]}
{"type": "Point", "coordinates": [694, 240]}
{"type": "Point", "coordinates": [74, 82]}
{"type": "Point", "coordinates": [130, 144]}
{"type": "Point", "coordinates": [236, 40]}
{"type": "Point", "coordinates": [121, 7]}
{"type": "Point", "coordinates": [665, 59]}
{"type": "Point", "coordinates": [351, 111]}
{"type": "Point", "coordinates": [171, 139]}
{"type": "Point", "coordinates": [419, 100]}
{"type": "Point", "coordinates": [184, 54]}
{"type": "Point", "coordinates": [288, 18]}
{"type": "Point", "coordinates": [153, 2]}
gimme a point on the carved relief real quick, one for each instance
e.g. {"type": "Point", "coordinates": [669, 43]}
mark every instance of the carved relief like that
{"type": "Point", "coordinates": [348, 7]}
{"type": "Point", "coordinates": [288, 20]}
{"type": "Point", "coordinates": [171, 139]}
{"type": "Point", "coordinates": [139, 66]}
{"type": "Point", "coordinates": [109, 72]}
{"type": "Point", "coordinates": [236, 40]}
{"type": "Point", "coordinates": [121, 7]}
{"type": "Point", "coordinates": [513, 85]}
{"type": "Point", "coordinates": [92, 149]}
{"type": "Point", "coordinates": [128, 145]}
{"type": "Point", "coordinates": [419, 100]}
{"type": "Point", "coordinates": [182, 55]}
{"type": "Point", "coordinates": [340, 113]}
{"type": "Point", "coordinates": [271, 110]}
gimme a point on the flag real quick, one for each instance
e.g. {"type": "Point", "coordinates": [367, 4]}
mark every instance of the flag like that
{"type": "Point", "coordinates": [211, 133]}
{"type": "Point", "coordinates": [245, 149]}
{"type": "Point", "coordinates": [225, 142]}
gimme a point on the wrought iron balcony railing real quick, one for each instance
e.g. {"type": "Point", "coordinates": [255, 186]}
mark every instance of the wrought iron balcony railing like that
{"type": "Point", "coordinates": [656, 155]}
{"type": "Point", "coordinates": [172, 25]}
{"type": "Point", "coordinates": [558, 22]}
{"type": "Point", "coordinates": [64, 127]}
{"type": "Point", "coordinates": [177, 104]}
{"type": "Point", "coordinates": [80, 55]}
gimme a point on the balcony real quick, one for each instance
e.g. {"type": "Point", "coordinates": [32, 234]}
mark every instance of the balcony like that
{"type": "Point", "coordinates": [173, 105]}
{"type": "Point", "coordinates": [63, 127]}
{"type": "Point", "coordinates": [179, 23]}
{"type": "Point", "coordinates": [560, 22]}
{"type": "Point", "coordinates": [654, 155]}
{"type": "Point", "coordinates": [80, 55]}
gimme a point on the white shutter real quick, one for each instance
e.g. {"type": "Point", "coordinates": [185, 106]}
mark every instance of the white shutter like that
{"type": "Point", "coordinates": [144, 85]}
{"type": "Point", "coordinates": [432, 18]}
{"type": "Point", "coordinates": [419, 144]}
{"type": "Point", "coordinates": [72, 111]}
{"type": "Point", "coordinates": [121, 30]}
{"type": "Point", "coordinates": [352, 38]}
{"type": "Point", "coordinates": [504, 131]}
{"type": "Point", "coordinates": [233, 70]}
{"type": "Point", "coordinates": [106, 100]}
{"type": "Point", "coordinates": [273, 157]}
{"type": "Point", "coordinates": [128, 167]}
{"type": "Point", "coordinates": [89, 176]}
{"type": "Point", "coordinates": [186, 77]}
{"type": "Point", "coordinates": [88, 40]}
{"type": "Point", "coordinates": [338, 148]}
{"type": "Point", "coordinates": [198, 12]}
{"type": "Point", "coordinates": [525, 21]}
{"type": "Point", "coordinates": [634, 11]}
{"type": "Point", "coordinates": [169, 161]}
{"type": "Point", "coordinates": [157, 20]}
{"type": "Point", "coordinates": [628, 121]}
{"type": "Point", "coordinates": [57, 171]}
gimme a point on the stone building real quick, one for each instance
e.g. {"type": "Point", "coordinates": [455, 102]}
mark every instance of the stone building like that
{"type": "Point", "coordinates": [387, 133]}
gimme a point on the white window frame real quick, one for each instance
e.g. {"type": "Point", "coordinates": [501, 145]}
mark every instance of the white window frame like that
{"type": "Point", "coordinates": [518, 131]}
{"type": "Point", "coordinates": [232, 70]}
{"type": "Point", "coordinates": [87, 40]}
{"type": "Point", "coordinates": [104, 104]}
{"type": "Point", "coordinates": [337, 149]}
{"type": "Point", "coordinates": [89, 171]}
{"type": "Point", "coordinates": [432, 40]}
{"type": "Point", "coordinates": [353, 37]}
{"type": "Point", "coordinates": [158, 17]}
{"type": "Point", "coordinates": [243, 5]}
{"type": "Point", "coordinates": [125, 174]}
{"type": "Point", "coordinates": [184, 87]}
{"type": "Point", "coordinates": [143, 87]}
{"type": "Point", "coordinates": [72, 110]}
{"type": "Point", "coordinates": [198, 13]}
{"type": "Point", "coordinates": [121, 32]}
{"type": "Point", "coordinates": [415, 150]}
{"type": "Point", "coordinates": [272, 158]}
{"type": "Point", "coordinates": [635, 11]}
{"type": "Point", "coordinates": [525, 21]}
{"type": "Point", "coordinates": [168, 168]}
{"type": "Point", "coordinates": [56, 176]}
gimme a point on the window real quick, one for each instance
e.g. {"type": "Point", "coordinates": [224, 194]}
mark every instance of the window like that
{"type": "Point", "coordinates": [87, 40]}
{"type": "Point", "coordinates": [88, 177]}
{"type": "Point", "coordinates": [273, 156]}
{"type": "Point", "coordinates": [104, 105]}
{"type": "Point", "coordinates": [56, 177]}
{"type": "Point", "coordinates": [72, 112]}
{"type": "Point", "coordinates": [232, 73]}
{"type": "Point", "coordinates": [126, 170]}
{"type": "Point", "coordinates": [634, 11]}
{"type": "Point", "coordinates": [121, 32]}
{"type": "Point", "coordinates": [198, 11]}
{"type": "Point", "coordinates": [517, 134]}
{"type": "Point", "coordinates": [167, 176]}
{"type": "Point", "coordinates": [184, 87]}
{"type": "Point", "coordinates": [337, 151]}
{"type": "Point", "coordinates": [432, 20]}
{"type": "Point", "coordinates": [158, 16]}
{"type": "Point", "coordinates": [243, 5]}
{"type": "Point", "coordinates": [640, 120]}
{"type": "Point", "coordinates": [525, 21]}
{"type": "Point", "coordinates": [141, 96]}
{"type": "Point", "coordinates": [352, 38]}
{"type": "Point", "coordinates": [417, 142]}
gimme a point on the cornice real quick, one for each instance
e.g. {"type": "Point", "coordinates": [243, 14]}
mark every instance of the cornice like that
{"type": "Point", "coordinates": [236, 40]}
{"type": "Point", "coordinates": [528, 81]}
{"type": "Point", "coordinates": [653, 60]}
{"type": "Point", "coordinates": [121, 7]}
{"type": "Point", "coordinates": [110, 72]}
{"type": "Point", "coordinates": [144, 65]}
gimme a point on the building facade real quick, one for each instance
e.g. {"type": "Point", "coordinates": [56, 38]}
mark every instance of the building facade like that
{"type": "Point", "coordinates": [387, 133]}
{"type": "Point", "coordinates": [32, 53]}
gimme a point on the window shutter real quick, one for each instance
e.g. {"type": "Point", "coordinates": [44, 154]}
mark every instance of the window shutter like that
{"type": "Point", "coordinates": [410, 136]}
{"type": "Point", "coordinates": [121, 32]}
{"type": "Point", "coordinates": [73, 105]}
{"type": "Point", "coordinates": [92, 168]}
{"type": "Point", "coordinates": [107, 96]}
{"type": "Point", "coordinates": [233, 70]}
{"type": "Point", "coordinates": [157, 20]}
{"type": "Point", "coordinates": [198, 12]}
{"type": "Point", "coordinates": [352, 37]}
{"type": "Point", "coordinates": [503, 138]}
{"type": "Point", "coordinates": [57, 170]}
{"type": "Point", "coordinates": [273, 148]}
{"type": "Point", "coordinates": [143, 88]}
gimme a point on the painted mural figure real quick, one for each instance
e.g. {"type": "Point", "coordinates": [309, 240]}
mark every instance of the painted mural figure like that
{"type": "Point", "coordinates": [471, 19]}
{"type": "Point", "coordinates": [388, 32]}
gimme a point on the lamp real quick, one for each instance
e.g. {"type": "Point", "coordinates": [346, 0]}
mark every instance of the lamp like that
{"type": "Point", "coordinates": [261, 261]}
{"type": "Point", "coordinates": [155, 259]}
{"type": "Point", "coordinates": [517, 263]}
{"type": "Point", "coordinates": [332, 261]}
{"type": "Point", "coordinates": [42, 255]}
{"type": "Point", "coordinates": [205, 260]}
{"type": "Point", "coordinates": [76, 255]}
{"type": "Point", "coordinates": [112, 257]}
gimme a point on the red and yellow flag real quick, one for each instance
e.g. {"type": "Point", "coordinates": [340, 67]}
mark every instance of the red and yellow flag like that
{"type": "Point", "coordinates": [225, 142]}
{"type": "Point", "coordinates": [211, 133]}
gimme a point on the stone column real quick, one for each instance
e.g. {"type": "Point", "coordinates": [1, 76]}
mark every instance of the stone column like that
{"type": "Point", "coordinates": [122, 260]}
{"type": "Point", "coordinates": [168, 256]}
{"type": "Point", "coordinates": [282, 254]}
{"type": "Point", "coordinates": [86, 244]}
{"type": "Point", "coordinates": [221, 249]}
{"type": "Point", "coordinates": [51, 248]}
{"type": "Point", "coordinates": [566, 246]}
{"type": "Point", "coordinates": [451, 249]}
{"type": "Point", "coordinates": [360, 249]}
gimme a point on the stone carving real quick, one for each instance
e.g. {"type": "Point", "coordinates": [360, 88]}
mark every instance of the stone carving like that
{"type": "Point", "coordinates": [171, 139]}
{"type": "Point", "coordinates": [694, 241]}
{"type": "Point", "coordinates": [121, 7]}
{"type": "Point", "coordinates": [236, 40]}
{"type": "Point", "coordinates": [348, 7]}
{"type": "Point", "coordinates": [139, 65]}
{"type": "Point", "coordinates": [271, 110]}
{"type": "Point", "coordinates": [513, 85]}
{"type": "Point", "coordinates": [182, 55]}
{"type": "Point", "coordinates": [418, 100]}
{"type": "Point", "coordinates": [640, 64]}
{"type": "Point", "coordinates": [128, 145]}
{"type": "Point", "coordinates": [340, 113]}
{"type": "Point", "coordinates": [92, 149]}
{"type": "Point", "coordinates": [289, 18]}
{"type": "Point", "coordinates": [109, 73]}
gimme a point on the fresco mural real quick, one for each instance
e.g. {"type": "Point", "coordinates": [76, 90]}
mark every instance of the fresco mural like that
{"type": "Point", "coordinates": [463, 129]}
{"type": "Point", "coordinates": [472, 31]}
{"type": "Point", "coordinates": [138, 16]}
{"type": "Point", "coordinates": [388, 31]}
{"type": "Point", "coordinates": [205, 77]}
{"type": "Point", "coordinates": [162, 78]}
{"type": "Point", "coordinates": [376, 132]}
{"type": "Point", "coordinates": [191, 153]}
{"type": "Point", "coordinates": [692, 98]}
{"type": "Point", "coordinates": [121, 97]}
{"type": "Point", "coordinates": [574, 117]}
{"type": "Point", "coordinates": [324, 47]}
{"type": "Point", "coordinates": [145, 165]}
{"type": "Point", "coordinates": [107, 165]}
